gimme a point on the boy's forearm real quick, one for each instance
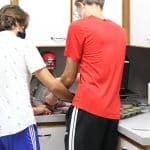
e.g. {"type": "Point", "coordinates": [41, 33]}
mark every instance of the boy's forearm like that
{"type": "Point", "coordinates": [57, 88]}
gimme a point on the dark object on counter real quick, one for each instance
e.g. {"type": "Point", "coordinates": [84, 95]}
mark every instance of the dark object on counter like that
{"type": "Point", "coordinates": [129, 110]}
{"type": "Point", "coordinates": [124, 90]}
{"type": "Point", "coordinates": [50, 60]}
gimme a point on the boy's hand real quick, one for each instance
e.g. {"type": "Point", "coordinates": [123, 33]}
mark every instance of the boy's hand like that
{"type": "Point", "coordinates": [41, 109]}
{"type": "Point", "coordinates": [50, 99]}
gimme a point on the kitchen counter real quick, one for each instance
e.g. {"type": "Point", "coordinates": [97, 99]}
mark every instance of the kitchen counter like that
{"type": "Point", "coordinates": [136, 128]}
{"type": "Point", "coordinates": [50, 118]}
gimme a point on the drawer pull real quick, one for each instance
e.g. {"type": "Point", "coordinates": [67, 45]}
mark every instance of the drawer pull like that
{"type": "Point", "coordinates": [58, 38]}
{"type": "Point", "coordinates": [45, 135]}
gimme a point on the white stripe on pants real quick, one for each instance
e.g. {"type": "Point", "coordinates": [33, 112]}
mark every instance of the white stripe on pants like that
{"type": "Point", "coordinates": [73, 128]}
{"type": "Point", "coordinates": [33, 137]}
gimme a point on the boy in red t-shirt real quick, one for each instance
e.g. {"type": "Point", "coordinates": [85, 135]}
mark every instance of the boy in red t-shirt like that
{"type": "Point", "coordinates": [95, 46]}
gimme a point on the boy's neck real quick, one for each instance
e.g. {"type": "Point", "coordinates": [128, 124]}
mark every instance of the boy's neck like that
{"type": "Point", "coordinates": [94, 10]}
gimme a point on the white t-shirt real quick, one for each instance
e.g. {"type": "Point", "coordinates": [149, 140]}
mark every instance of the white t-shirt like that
{"type": "Point", "coordinates": [18, 60]}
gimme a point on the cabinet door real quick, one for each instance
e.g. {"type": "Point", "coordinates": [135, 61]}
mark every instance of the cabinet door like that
{"type": "Point", "coordinates": [113, 10]}
{"type": "Point", "coordinates": [52, 138]}
{"type": "Point", "coordinates": [49, 21]}
{"type": "Point", "coordinates": [126, 144]}
{"type": "Point", "coordinates": [140, 22]}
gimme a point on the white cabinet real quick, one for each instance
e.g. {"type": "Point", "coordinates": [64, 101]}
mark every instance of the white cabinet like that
{"type": "Point", "coordinates": [113, 10]}
{"type": "Point", "coordinates": [140, 22]}
{"type": "Point", "coordinates": [51, 137]}
{"type": "Point", "coordinates": [49, 21]}
{"type": "Point", "coordinates": [127, 144]}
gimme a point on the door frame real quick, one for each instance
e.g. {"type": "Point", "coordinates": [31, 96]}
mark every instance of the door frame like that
{"type": "Point", "coordinates": [14, 2]}
{"type": "Point", "coordinates": [126, 18]}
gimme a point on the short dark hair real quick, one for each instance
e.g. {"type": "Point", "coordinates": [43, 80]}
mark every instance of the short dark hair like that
{"type": "Point", "coordinates": [90, 2]}
{"type": "Point", "coordinates": [12, 14]}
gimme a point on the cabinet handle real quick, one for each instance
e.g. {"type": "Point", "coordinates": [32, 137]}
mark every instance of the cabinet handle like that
{"type": "Point", "coordinates": [45, 135]}
{"type": "Point", "coordinates": [58, 38]}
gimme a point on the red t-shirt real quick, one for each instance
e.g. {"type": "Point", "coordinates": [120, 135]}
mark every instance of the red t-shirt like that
{"type": "Point", "coordinates": [99, 46]}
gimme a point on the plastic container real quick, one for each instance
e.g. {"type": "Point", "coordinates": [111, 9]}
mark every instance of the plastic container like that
{"type": "Point", "coordinates": [148, 93]}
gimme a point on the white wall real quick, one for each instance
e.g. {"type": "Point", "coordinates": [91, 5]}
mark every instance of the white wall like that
{"type": "Point", "coordinates": [4, 2]}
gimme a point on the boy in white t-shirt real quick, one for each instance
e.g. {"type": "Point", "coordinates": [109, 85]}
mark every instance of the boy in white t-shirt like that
{"type": "Point", "coordinates": [19, 60]}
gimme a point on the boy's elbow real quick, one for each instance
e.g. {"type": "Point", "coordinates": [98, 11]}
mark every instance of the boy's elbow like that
{"type": "Point", "coordinates": [68, 81]}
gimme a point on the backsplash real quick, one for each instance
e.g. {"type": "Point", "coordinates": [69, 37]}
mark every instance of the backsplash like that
{"type": "Point", "coordinates": [139, 74]}
{"type": "Point", "coordinates": [60, 59]}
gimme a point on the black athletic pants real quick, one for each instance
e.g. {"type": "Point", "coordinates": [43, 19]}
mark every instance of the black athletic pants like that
{"type": "Point", "coordinates": [85, 131]}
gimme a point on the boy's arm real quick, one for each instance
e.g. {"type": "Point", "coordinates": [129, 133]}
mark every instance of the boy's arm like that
{"type": "Point", "coordinates": [54, 86]}
{"type": "Point", "coordinates": [70, 72]}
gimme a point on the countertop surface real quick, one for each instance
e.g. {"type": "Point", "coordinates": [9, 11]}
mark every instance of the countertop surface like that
{"type": "Point", "coordinates": [50, 118]}
{"type": "Point", "coordinates": [136, 128]}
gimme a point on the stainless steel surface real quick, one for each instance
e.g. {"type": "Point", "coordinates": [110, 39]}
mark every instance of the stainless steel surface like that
{"type": "Point", "coordinates": [129, 110]}
{"type": "Point", "coordinates": [133, 105]}
{"type": "Point", "coordinates": [50, 118]}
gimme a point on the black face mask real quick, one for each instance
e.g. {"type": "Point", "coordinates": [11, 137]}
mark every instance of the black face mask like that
{"type": "Point", "coordinates": [21, 34]}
